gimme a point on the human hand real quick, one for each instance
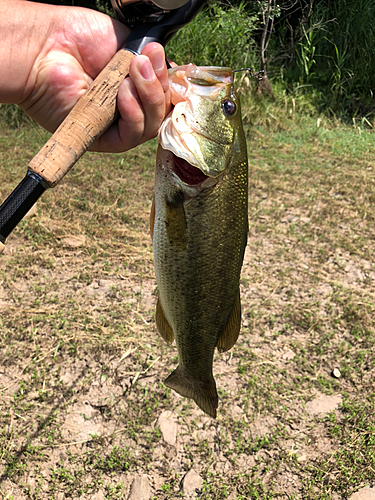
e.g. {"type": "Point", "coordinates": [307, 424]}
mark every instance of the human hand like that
{"type": "Point", "coordinates": [143, 101]}
{"type": "Point", "coordinates": [60, 52]}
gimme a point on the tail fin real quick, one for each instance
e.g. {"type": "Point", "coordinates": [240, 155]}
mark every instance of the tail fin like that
{"type": "Point", "coordinates": [203, 393]}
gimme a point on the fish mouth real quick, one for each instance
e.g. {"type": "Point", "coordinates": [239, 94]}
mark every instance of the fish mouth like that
{"type": "Point", "coordinates": [187, 173]}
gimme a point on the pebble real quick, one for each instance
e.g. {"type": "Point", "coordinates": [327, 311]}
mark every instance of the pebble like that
{"type": "Point", "coordinates": [168, 427]}
{"type": "Point", "coordinates": [323, 404]}
{"type": "Point", "coordinates": [102, 287]}
{"type": "Point", "coordinates": [175, 465]}
{"type": "Point", "coordinates": [237, 410]}
{"type": "Point", "coordinates": [191, 483]}
{"type": "Point", "coordinates": [336, 373]}
{"type": "Point", "coordinates": [99, 495]}
{"type": "Point", "coordinates": [140, 489]}
{"type": "Point", "coordinates": [364, 494]}
{"type": "Point", "coordinates": [289, 354]}
{"type": "Point", "coordinates": [73, 241]}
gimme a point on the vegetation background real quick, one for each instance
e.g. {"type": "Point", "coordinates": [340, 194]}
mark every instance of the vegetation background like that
{"type": "Point", "coordinates": [319, 48]}
{"type": "Point", "coordinates": [83, 410]}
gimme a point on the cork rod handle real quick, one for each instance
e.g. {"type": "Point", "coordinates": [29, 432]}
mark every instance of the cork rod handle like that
{"type": "Point", "coordinates": [91, 116]}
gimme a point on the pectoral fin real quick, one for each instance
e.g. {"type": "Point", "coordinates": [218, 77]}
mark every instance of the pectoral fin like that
{"type": "Point", "coordinates": [230, 335]}
{"type": "Point", "coordinates": [162, 324]}
{"type": "Point", "coordinates": [176, 221]}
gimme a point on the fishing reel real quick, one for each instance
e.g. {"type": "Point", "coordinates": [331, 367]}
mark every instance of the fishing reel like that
{"type": "Point", "coordinates": [133, 12]}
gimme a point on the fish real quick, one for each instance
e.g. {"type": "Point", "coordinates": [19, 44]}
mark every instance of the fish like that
{"type": "Point", "coordinates": [199, 225]}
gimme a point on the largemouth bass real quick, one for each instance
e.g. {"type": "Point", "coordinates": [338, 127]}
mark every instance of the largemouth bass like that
{"type": "Point", "coordinates": [199, 225]}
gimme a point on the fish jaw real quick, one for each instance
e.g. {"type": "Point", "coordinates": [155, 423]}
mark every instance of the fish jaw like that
{"type": "Point", "coordinates": [204, 79]}
{"type": "Point", "coordinates": [179, 135]}
{"type": "Point", "coordinates": [184, 176]}
{"type": "Point", "coordinates": [197, 130]}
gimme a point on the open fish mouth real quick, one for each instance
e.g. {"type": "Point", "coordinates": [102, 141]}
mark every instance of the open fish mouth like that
{"type": "Point", "coordinates": [187, 173]}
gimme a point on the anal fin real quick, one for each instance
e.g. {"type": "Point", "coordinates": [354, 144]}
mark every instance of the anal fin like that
{"type": "Point", "coordinates": [162, 324]}
{"type": "Point", "coordinates": [229, 336]}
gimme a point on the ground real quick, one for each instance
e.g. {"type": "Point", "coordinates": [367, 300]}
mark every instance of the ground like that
{"type": "Point", "coordinates": [83, 408]}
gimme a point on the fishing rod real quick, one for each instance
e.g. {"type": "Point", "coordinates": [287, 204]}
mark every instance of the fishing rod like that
{"type": "Point", "coordinates": [151, 21]}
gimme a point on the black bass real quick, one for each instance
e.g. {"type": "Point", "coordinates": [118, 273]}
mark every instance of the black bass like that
{"type": "Point", "coordinates": [199, 225]}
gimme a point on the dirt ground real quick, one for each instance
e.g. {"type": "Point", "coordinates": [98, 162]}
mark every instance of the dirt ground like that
{"type": "Point", "coordinates": [83, 409]}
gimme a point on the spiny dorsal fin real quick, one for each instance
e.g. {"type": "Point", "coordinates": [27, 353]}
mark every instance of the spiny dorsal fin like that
{"type": "Point", "coordinates": [230, 335]}
{"type": "Point", "coordinates": [162, 324]}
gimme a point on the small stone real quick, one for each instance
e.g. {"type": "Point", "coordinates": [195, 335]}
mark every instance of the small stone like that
{"type": "Point", "coordinates": [364, 494]}
{"type": "Point", "coordinates": [325, 289]}
{"type": "Point", "coordinates": [336, 373]}
{"type": "Point", "coordinates": [305, 220]}
{"type": "Point", "coordinates": [237, 410]}
{"type": "Point", "coordinates": [102, 287]}
{"type": "Point", "coordinates": [140, 489]}
{"type": "Point", "coordinates": [175, 465]}
{"type": "Point", "coordinates": [292, 218]}
{"type": "Point", "coordinates": [73, 241]}
{"type": "Point", "coordinates": [288, 355]}
{"type": "Point", "coordinates": [99, 495]}
{"type": "Point", "coordinates": [192, 483]}
{"type": "Point", "coordinates": [323, 404]}
{"type": "Point", "coordinates": [168, 427]}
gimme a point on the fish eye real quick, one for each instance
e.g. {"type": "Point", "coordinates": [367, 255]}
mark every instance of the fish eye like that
{"type": "Point", "coordinates": [229, 107]}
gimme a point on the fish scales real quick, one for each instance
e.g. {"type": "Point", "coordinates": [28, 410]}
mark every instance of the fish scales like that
{"type": "Point", "coordinates": [199, 232]}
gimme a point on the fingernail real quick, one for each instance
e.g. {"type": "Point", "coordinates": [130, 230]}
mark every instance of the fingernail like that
{"type": "Point", "coordinates": [146, 71]}
{"type": "Point", "coordinates": [157, 60]}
